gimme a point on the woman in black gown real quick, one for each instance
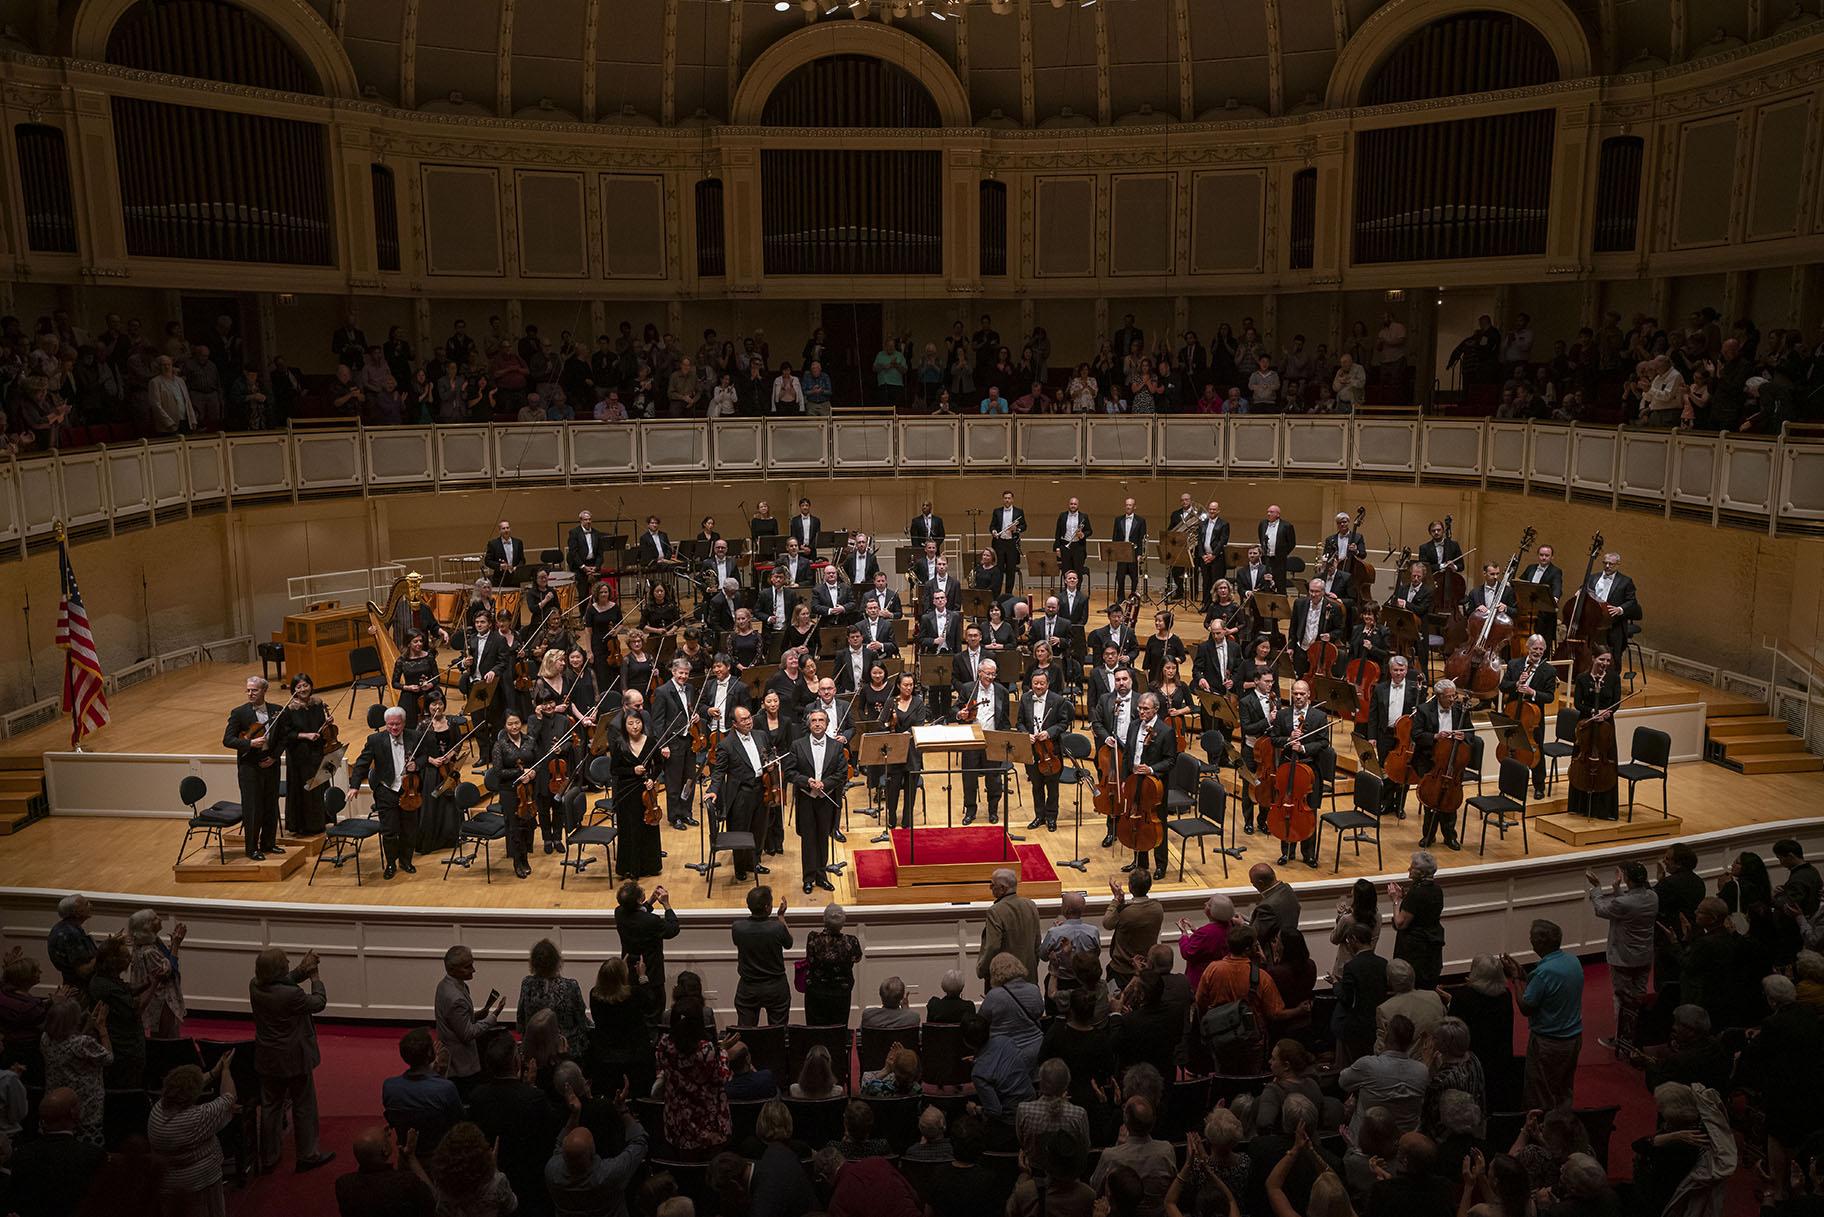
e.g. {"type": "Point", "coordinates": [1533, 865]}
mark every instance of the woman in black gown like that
{"type": "Point", "coordinates": [441, 817]}
{"type": "Point", "coordinates": [1262, 656]}
{"type": "Point", "coordinates": [1225, 605]}
{"type": "Point", "coordinates": [659, 614]}
{"type": "Point", "coordinates": [1046, 661]}
{"type": "Point", "coordinates": [601, 618]}
{"type": "Point", "coordinates": [300, 734]}
{"type": "Point", "coordinates": [1163, 645]}
{"type": "Point", "coordinates": [514, 755]}
{"type": "Point", "coordinates": [904, 711]}
{"type": "Point", "coordinates": [800, 631]}
{"type": "Point", "coordinates": [1595, 695]}
{"type": "Point", "coordinates": [745, 641]}
{"type": "Point", "coordinates": [414, 675]}
{"type": "Point", "coordinates": [997, 632]}
{"type": "Point", "coordinates": [637, 842]}
{"type": "Point", "coordinates": [636, 664]}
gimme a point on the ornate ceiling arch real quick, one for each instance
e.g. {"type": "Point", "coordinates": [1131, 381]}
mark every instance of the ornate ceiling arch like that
{"type": "Point", "coordinates": [293, 20]}
{"type": "Point", "coordinates": [1395, 21]}
{"type": "Point", "coordinates": [849, 38]}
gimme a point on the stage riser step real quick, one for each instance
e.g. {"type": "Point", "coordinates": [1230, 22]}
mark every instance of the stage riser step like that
{"type": "Point", "coordinates": [22, 762]}
{"type": "Point", "coordinates": [1802, 762]}
{"type": "Point", "coordinates": [1582, 832]}
{"type": "Point", "coordinates": [1758, 724]}
{"type": "Point", "coordinates": [24, 781]}
{"type": "Point", "coordinates": [1758, 745]}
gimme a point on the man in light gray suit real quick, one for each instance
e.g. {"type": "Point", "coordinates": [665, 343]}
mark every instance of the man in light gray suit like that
{"type": "Point", "coordinates": [285, 1053]}
{"type": "Point", "coordinates": [1011, 925]}
{"type": "Point", "coordinates": [459, 1028]}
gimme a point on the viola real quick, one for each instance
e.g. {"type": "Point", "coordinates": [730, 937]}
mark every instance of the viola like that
{"type": "Point", "coordinates": [1441, 789]}
{"type": "Point", "coordinates": [525, 801]}
{"type": "Point", "coordinates": [557, 776]}
{"type": "Point", "coordinates": [522, 673]}
{"type": "Point", "coordinates": [772, 786]}
{"type": "Point", "coordinates": [1046, 757]}
{"type": "Point", "coordinates": [649, 800]}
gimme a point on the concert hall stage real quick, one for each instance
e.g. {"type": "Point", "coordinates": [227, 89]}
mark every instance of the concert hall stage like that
{"type": "Point", "coordinates": [116, 819]}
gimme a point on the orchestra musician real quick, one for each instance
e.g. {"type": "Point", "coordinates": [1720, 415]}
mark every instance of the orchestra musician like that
{"type": "Point", "coordinates": [840, 713]}
{"type": "Point", "coordinates": [735, 793]}
{"type": "Point", "coordinates": [1224, 606]}
{"type": "Point", "coordinates": [1116, 634]}
{"type": "Point", "coordinates": [1444, 716]}
{"type": "Point", "coordinates": [942, 580]}
{"type": "Point", "coordinates": [1262, 655]}
{"type": "Point", "coordinates": [886, 597]}
{"type": "Point", "coordinates": [1481, 600]}
{"type": "Point", "coordinates": [1278, 538]}
{"type": "Point", "coordinates": [926, 527]}
{"type": "Point", "coordinates": [1104, 678]}
{"type": "Point", "coordinates": [1112, 717]}
{"type": "Point", "coordinates": [505, 557]}
{"type": "Point", "coordinates": [794, 564]}
{"type": "Point", "coordinates": [1300, 731]}
{"type": "Point", "coordinates": [904, 711]}
{"type": "Point", "coordinates": [634, 762]}
{"type": "Point", "coordinates": [486, 659]}
{"type": "Point", "coordinates": [1534, 680]}
{"type": "Point", "coordinates": [1007, 522]}
{"type": "Point", "coordinates": [1073, 601]}
{"type": "Point", "coordinates": [706, 531]}
{"type": "Point", "coordinates": [876, 628]}
{"type": "Point", "coordinates": [1211, 550]}
{"type": "Point", "coordinates": [968, 662]}
{"type": "Point", "coordinates": [1595, 694]}
{"type": "Point", "coordinates": [256, 767]}
{"type": "Point", "coordinates": [1214, 667]}
{"type": "Point", "coordinates": [510, 767]}
{"type": "Point", "coordinates": [924, 567]}
{"type": "Point", "coordinates": [819, 775]}
{"type": "Point", "coordinates": [638, 671]}
{"type": "Point", "coordinates": [552, 736]}
{"type": "Point", "coordinates": [298, 735]}
{"type": "Point", "coordinates": [414, 613]}
{"type": "Point", "coordinates": [1345, 544]}
{"type": "Point", "coordinates": [806, 528]}
{"type": "Point", "coordinates": [1179, 583]}
{"type": "Point", "coordinates": [717, 611]}
{"type": "Point", "coordinates": [746, 643]}
{"type": "Point", "coordinates": [672, 708]}
{"type": "Point", "coordinates": [1316, 617]}
{"type": "Point", "coordinates": [1368, 637]}
{"type": "Point", "coordinates": [1161, 647]}
{"type": "Point", "coordinates": [852, 663]}
{"type": "Point", "coordinates": [793, 685]}
{"type": "Point", "coordinates": [801, 632]}
{"type": "Point", "coordinates": [987, 574]}
{"type": "Point", "coordinates": [690, 648]}
{"type": "Point", "coordinates": [541, 600]}
{"type": "Point", "coordinates": [386, 758]}
{"type": "Point", "coordinates": [1439, 550]}
{"type": "Point", "coordinates": [720, 567]}
{"type": "Point", "coordinates": [941, 628]}
{"type": "Point", "coordinates": [1392, 699]}
{"type": "Point", "coordinates": [1544, 571]}
{"type": "Point", "coordinates": [1050, 627]}
{"type": "Point", "coordinates": [1150, 748]}
{"type": "Point", "coordinates": [859, 565]}
{"type": "Point", "coordinates": [720, 695]}
{"type": "Point", "coordinates": [583, 552]}
{"type": "Point", "coordinates": [1413, 593]}
{"type": "Point", "coordinates": [763, 524]}
{"type": "Point", "coordinates": [1045, 661]}
{"type": "Point", "coordinates": [414, 675]}
{"type": "Point", "coordinates": [1132, 529]}
{"type": "Point", "coordinates": [991, 713]}
{"type": "Point", "coordinates": [776, 602]}
{"type": "Point", "coordinates": [1256, 576]}
{"type": "Point", "coordinates": [439, 734]}
{"type": "Point", "coordinates": [655, 545]}
{"type": "Point", "coordinates": [1070, 540]}
{"type": "Point", "coordinates": [1615, 592]}
{"type": "Point", "coordinates": [659, 613]}
{"type": "Point", "coordinates": [1258, 707]}
{"type": "Point", "coordinates": [1174, 694]}
{"type": "Point", "coordinates": [873, 700]}
{"type": "Point", "coordinates": [830, 603]}
{"type": "Point", "coordinates": [601, 619]}
{"type": "Point", "coordinates": [998, 633]}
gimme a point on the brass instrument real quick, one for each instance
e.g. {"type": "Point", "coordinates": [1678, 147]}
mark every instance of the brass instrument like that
{"type": "Point", "coordinates": [1192, 521]}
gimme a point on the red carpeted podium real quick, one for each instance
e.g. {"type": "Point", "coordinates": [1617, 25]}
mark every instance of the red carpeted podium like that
{"type": "Point", "coordinates": [949, 864]}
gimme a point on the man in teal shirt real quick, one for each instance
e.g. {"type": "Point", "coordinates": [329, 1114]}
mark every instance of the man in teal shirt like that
{"type": "Point", "coordinates": [1552, 1000]}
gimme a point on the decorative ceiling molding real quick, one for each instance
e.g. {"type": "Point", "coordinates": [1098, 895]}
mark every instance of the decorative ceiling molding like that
{"type": "Point", "coordinates": [1276, 65]}
{"type": "Point", "coordinates": [1105, 110]}
{"type": "Point", "coordinates": [1187, 86]}
{"type": "Point", "coordinates": [503, 63]}
{"type": "Point", "coordinates": [592, 26]}
{"type": "Point", "coordinates": [408, 55]}
{"type": "Point", "coordinates": [300, 25]}
{"type": "Point", "coordinates": [668, 67]}
{"type": "Point", "coordinates": [1029, 102]}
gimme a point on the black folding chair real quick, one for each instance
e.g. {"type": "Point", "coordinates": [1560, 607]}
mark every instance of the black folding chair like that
{"type": "Point", "coordinates": [211, 821]}
{"type": "Point", "coordinates": [1650, 760]}
{"type": "Point", "coordinates": [1506, 808]}
{"type": "Point", "coordinates": [1363, 819]}
{"type": "Point", "coordinates": [477, 832]}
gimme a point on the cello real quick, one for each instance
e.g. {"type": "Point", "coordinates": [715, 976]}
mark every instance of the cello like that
{"type": "Point", "coordinates": [1441, 789]}
{"type": "Point", "coordinates": [1530, 715]}
{"type": "Point", "coordinates": [1290, 817]}
{"type": "Point", "coordinates": [1398, 766]}
{"type": "Point", "coordinates": [1362, 672]}
{"type": "Point", "coordinates": [1475, 667]}
{"type": "Point", "coordinates": [1593, 754]}
{"type": "Point", "coordinates": [1139, 827]}
{"type": "Point", "coordinates": [1107, 799]}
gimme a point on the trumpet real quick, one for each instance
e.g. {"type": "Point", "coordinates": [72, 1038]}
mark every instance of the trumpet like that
{"type": "Point", "coordinates": [1011, 531]}
{"type": "Point", "coordinates": [1076, 535]}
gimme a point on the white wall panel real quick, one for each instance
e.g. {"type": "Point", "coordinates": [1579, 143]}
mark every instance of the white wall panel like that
{"type": "Point", "coordinates": [85, 487]}
{"type": "Point", "coordinates": [1642, 471]}
{"type": "Point", "coordinates": [674, 448]}
{"type": "Point", "coordinates": [798, 445]}
{"type": "Point", "coordinates": [465, 453]}
{"type": "Point", "coordinates": [40, 495]}
{"type": "Point", "coordinates": [1505, 451]}
{"type": "Point", "coordinates": [401, 455]}
{"type": "Point", "coordinates": [327, 459]}
{"type": "Point", "coordinates": [1254, 443]}
{"type": "Point", "coordinates": [1748, 471]}
{"type": "Point", "coordinates": [1386, 445]}
{"type": "Point", "coordinates": [1195, 441]}
{"type": "Point", "coordinates": [1694, 470]}
{"type": "Point", "coordinates": [988, 443]}
{"type": "Point", "coordinates": [1049, 441]}
{"type": "Point", "coordinates": [1593, 459]}
{"type": "Point", "coordinates": [1317, 444]}
{"type": "Point", "coordinates": [1452, 449]}
{"type": "Point", "coordinates": [531, 451]}
{"type": "Point", "coordinates": [604, 450]}
{"type": "Point", "coordinates": [1119, 443]}
{"type": "Point", "coordinates": [926, 443]}
{"type": "Point", "coordinates": [168, 467]}
{"type": "Point", "coordinates": [258, 464]}
{"type": "Point", "coordinates": [1549, 454]}
{"type": "Point", "coordinates": [740, 445]}
{"type": "Point", "coordinates": [861, 443]}
{"type": "Point", "coordinates": [129, 482]}
{"type": "Point", "coordinates": [1802, 481]}
{"type": "Point", "coordinates": [208, 468]}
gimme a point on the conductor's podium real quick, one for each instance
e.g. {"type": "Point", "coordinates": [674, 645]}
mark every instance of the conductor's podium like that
{"type": "Point", "coordinates": [929, 865]}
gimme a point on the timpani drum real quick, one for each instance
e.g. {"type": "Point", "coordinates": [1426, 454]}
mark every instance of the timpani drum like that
{"type": "Point", "coordinates": [564, 584]}
{"type": "Point", "coordinates": [445, 600]}
{"type": "Point", "coordinates": [506, 604]}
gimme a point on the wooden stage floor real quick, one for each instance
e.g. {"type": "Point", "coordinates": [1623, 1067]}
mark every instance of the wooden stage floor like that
{"type": "Point", "coordinates": [183, 712]}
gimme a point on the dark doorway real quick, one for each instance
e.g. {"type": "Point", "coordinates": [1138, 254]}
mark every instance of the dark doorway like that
{"type": "Point", "coordinates": [852, 334]}
{"type": "Point", "coordinates": [200, 313]}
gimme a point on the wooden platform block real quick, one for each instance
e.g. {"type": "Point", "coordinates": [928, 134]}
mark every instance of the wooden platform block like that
{"type": "Point", "coordinates": [1746, 724]}
{"type": "Point", "coordinates": [27, 762]}
{"type": "Point", "coordinates": [203, 866]}
{"type": "Point", "coordinates": [21, 781]}
{"type": "Point", "coordinates": [1779, 762]}
{"type": "Point", "coordinates": [1583, 832]}
{"type": "Point", "coordinates": [308, 846]}
{"type": "Point", "coordinates": [19, 808]}
{"type": "Point", "coordinates": [1733, 745]}
{"type": "Point", "coordinates": [1548, 806]}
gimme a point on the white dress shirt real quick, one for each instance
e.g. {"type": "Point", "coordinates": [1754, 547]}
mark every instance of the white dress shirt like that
{"type": "Point", "coordinates": [751, 748]}
{"type": "Point", "coordinates": [398, 762]}
{"type": "Point", "coordinates": [984, 707]}
{"type": "Point", "coordinates": [1272, 536]}
{"type": "Point", "coordinates": [1124, 709]}
{"type": "Point", "coordinates": [1396, 701]}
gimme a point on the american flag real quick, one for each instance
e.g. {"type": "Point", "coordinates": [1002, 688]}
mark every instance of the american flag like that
{"type": "Point", "coordinates": [85, 695]}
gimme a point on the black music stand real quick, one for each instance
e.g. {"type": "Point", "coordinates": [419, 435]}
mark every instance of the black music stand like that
{"type": "Point", "coordinates": [1175, 554]}
{"type": "Point", "coordinates": [1270, 606]}
{"type": "Point", "coordinates": [881, 749]}
{"type": "Point", "coordinates": [1044, 564]}
{"type": "Point", "coordinates": [976, 601]}
{"type": "Point", "coordinates": [1338, 697]}
{"type": "Point", "coordinates": [1008, 749]}
{"type": "Point", "coordinates": [1532, 600]}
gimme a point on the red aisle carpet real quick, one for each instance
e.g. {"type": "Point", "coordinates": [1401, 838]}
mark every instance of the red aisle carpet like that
{"type": "Point", "coordinates": [356, 1057]}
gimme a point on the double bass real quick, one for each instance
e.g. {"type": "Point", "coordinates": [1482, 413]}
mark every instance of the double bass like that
{"type": "Point", "coordinates": [1593, 753]}
{"type": "Point", "coordinates": [1475, 667]}
{"type": "Point", "coordinates": [1585, 624]}
{"type": "Point", "coordinates": [1320, 653]}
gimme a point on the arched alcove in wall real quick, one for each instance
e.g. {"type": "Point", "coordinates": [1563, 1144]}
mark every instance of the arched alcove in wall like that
{"type": "Point", "coordinates": [1391, 26]}
{"type": "Point", "coordinates": [850, 38]}
{"type": "Point", "coordinates": [294, 22]}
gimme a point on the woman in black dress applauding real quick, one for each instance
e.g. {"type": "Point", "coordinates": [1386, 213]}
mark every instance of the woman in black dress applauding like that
{"type": "Point", "coordinates": [414, 675]}
{"type": "Point", "coordinates": [638, 841]}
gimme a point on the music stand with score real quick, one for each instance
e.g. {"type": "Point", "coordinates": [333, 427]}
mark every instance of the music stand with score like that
{"type": "Point", "coordinates": [880, 749]}
{"type": "Point", "coordinates": [1009, 749]}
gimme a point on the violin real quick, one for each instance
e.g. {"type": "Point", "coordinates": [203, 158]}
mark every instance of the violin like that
{"type": "Point", "coordinates": [1441, 789]}
{"type": "Point", "coordinates": [649, 801]}
{"type": "Point", "coordinates": [772, 785]}
{"type": "Point", "coordinates": [526, 801]}
{"type": "Point", "coordinates": [557, 776]}
{"type": "Point", "coordinates": [411, 790]}
{"type": "Point", "coordinates": [329, 735]}
{"type": "Point", "coordinates": [966, 712]}
{"type": "Point", "coordinates": [522, 673]}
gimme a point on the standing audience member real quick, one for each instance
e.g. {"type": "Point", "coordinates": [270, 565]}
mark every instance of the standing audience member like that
{"type": "Point", "coordinates": [1207, 943]}
{"type": "Point", "coordinates": [419, 1100]}
{"type": "Point", "coordinates": [153, 974]}
{"type": "Point", "coordinates": [465, 1178]}
{"type": "Point", "coordinates": [1013, 1007]}
{"type": "Point", "coordinates": [1390, 1078]}
{"type": "Point", "coordinates": [1152, 1160]}
{"type": "Point", "coordinates": [182, 1131]}
{"type": "Point", "coordinates": [459, 1027]}
{"type": "Point", "coordinates": [546, 988]}
{"type": "Point", "coordinates": [285, 1053]}
{"type": "Point", "coordinates": [1424, 1007]}
{"type": "Point", "coordinates": [643, 934]}
{"type": "Point", "coordinates": [693, 1076]}
{"type": "Point", "coordinates": [830, 984]}
{"type": "Point", "coordinates": [1552, 1000]}
{"type": "Point", "coordinates": [952, 1007]}
{"type": "Point", "coordinates": [72, 949]}
{"type": "Point", "coordinates": [761, 940]}
{"type": "Point", "coordinates": [377, 1188]}
{"type": "Point", "coordinates": [51, 1174]}
{"type": "Point", "coordinates": [1133, 925]}
{"type": "Point", "coordinates": [76, 1055]}
{"type": "Point", "coordinates": [126, 1033]}
{"type": "Point", "coordinates": [1418, 911]}
{"type": "Point", "coordinates": [1632, 911]}
{"type": "Point", "coordinates": [1011, 925]}
{"type": "Point", "coordinates": [517, 1119]}
{"type": "Point", "coordinates": [581, 1182]}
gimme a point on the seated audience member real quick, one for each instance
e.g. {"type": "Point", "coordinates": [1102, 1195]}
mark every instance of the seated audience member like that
{"type": "Point", "coordinates": [891, 1014]}
{"type": "Point", "coordinates": [746, 1083]}
{"type": "Point", "coordinates": [896, 1078]}
{"type": "Point", "coordinates": [952, 1007]}
{"type": "Point", "coordinates": [933, 1144]}
{"type": "Point", "coordinates": [52, 1173]}
{"type": "Point", "coordinates": [378, 1188]}
{"type": "Point", "coordinates": [817, 1077]}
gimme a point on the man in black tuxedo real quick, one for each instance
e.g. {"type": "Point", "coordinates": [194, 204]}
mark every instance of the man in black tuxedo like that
{"type": "Point", "coordinates": [876, 628]}
{"type": "Point", "coordinates": [1413, 593]}
{"type": "Point", "coordinates": [1111, 717]}
{"type": "Point", "coordinates": [387, 757]}
{"type": "Point", "coordinates": [1214, 668]}
{"type": "Point", "coordinates": [830, 602]}
{"type": "Point", "coordinates": [924, 566]}
{"type": "Point", "coordinates": [1257, 707]}
{"type": "Point", "coordinates": [1180, 583]}
{"type": "Point", "coordinates": [774, 608]}
{"type": "Point", "coordinates": [1614, 591]}
{"type": "Point", "coordinates": [735, 789]}
{"type": "Point", "coordinates": [805, 528]}
{"type": "Point", "coordinates": [1298, 733]}
{"type": "Point", "coordinates": [796, 567]}
{"type": "Point", "coordinates": [1444, 716]}
{"type": "Point", "coordinates": [1116, 633]}
{"type": "Point", "coordinates": [991, 714]}
{"type": "Point", "coordinates": [819, 770]}
{"type": "Point", "coordinates": [257, 769]}
{"type": "Point", "coordinates": [1255, 576]}
{"type": "Point", "coordinates": [1344, 544]}
{"type": "Point", "coordinates": [1150, 749]}
{"type": "Point", "coordinates": [1073, 601]}
{"type": "Point", "coordinates": [583, 553]}
{"type": "Point", "coordinates": [859, 566]}
{"type": "Point", "coordinates": [967, 666]}
{"type": "Point", "coordinates": [1315, 618]}
{"type": "Point", "coordinates": [673, 705]}
{"type": "Point", "coordinates": [852, 662]}
{"type": "Point", "coordinates": [940, 630]}
{"type": "Point", "coordinates": [1277, 541]}
{"type": "Point", "coordinates": [722, 693]}
{"type": "Point", "coordinates": [1535, 681]}
{"type": "Point", "coordinates": [655, 545]}
{"type": "Point", "coordinates": [1070, 539]}
{"type": "Point", "coordinates": [1106, 676]}
{"type": "Point", "coordinates": [1050, 626]}
{"type": "Point", "coordinates": [1211, 550]}
{"type": "Point", "coordinates": [1545, 572]}
{"type": "Point", "coordinates": [720, 566]}
{"type": "Point", "coordinates": [1007, 522]}
{"type": "Point", "coordinates": [1394, 698]}
{"type": "Point", "coordinates": [718, 610]}
{"type": "Point", "coordinates": [1044, 715]}
{"type": "Point", "coordinates": [485, 660]}
{"type": "Point", "coordinates": [1130, 528]}
{"type": "Point", "coordinates": [1439, 549]}
{"type": "Point", "coordinates": [926, 527]}
{"type": "Point", "coordinates": [1480, 600]}
{"type": "Point", "coordinates": [505, 557]}
{"type": "Point", "coordinates": [942, 580]}
{"type": "Point", "coordinates": [879, 593]}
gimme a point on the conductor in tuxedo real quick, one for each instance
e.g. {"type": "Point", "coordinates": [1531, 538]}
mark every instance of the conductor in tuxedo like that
{"type": "Point", "coordinates": [926, 527]}
{"type": "Point", "coordinates": [1614, 591]}
{"type": "Point", "coordinates": [505, 557]}
{"type": "Point", "coordinates": [257, 769]}
{"type": "Point", "coordinates": [1299, 733]}
{"type": "Point", "coordinates": [1535, 681]}
{"type": "Point", "coordinates": [991, 714]}
{"type": "Point", "coordinates": [285, 1053]}
{"type": "Point", "coordinates": [1130, 528]}
{"type": "Point", "coordinates": [1044, 715]}
{"type": "Point", "coordinates": [1277, 540]}
{"type": "Point", "coordinates": [1444, 716]}
{"type": "Point", "coordinates": [820, 769]}
{"type": "Point", "coordinates": [1150, 749]}
{"type": "Point", "coordinates": [1070, 539]}
{"type": "Point", "coordinates": [583, 553]}
{"type": "Point", "coordinates": [1007, 523]}
{"type": "Point", "coordinates": [1545, 572]}
{"type": "Point", "coordinates": [735, 791]}
{"type": "Point", "coordinates": [386, 759]}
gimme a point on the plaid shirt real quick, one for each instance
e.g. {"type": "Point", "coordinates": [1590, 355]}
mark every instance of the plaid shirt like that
{"type": "Point", "coordinates": [1038, 1118]}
